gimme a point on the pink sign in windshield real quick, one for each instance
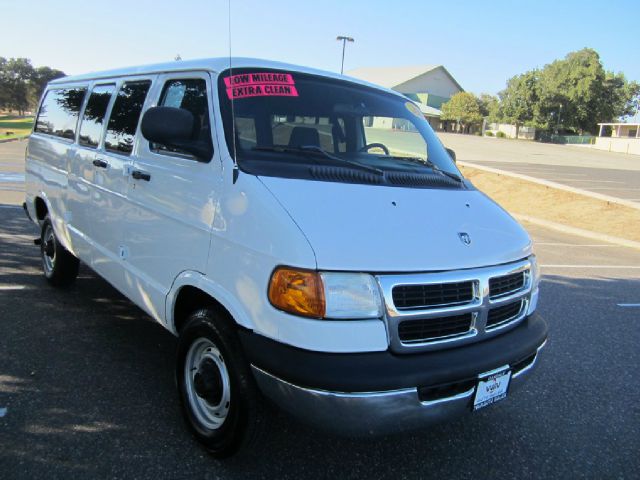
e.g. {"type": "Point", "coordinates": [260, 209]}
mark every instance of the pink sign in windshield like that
{"type": "Point", "coordinates": [260, 84]}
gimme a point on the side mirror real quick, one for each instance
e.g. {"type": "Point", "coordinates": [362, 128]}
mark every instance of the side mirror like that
{"type": "Point", "coordinates": [452, 154]}
{"type": "Point", "coordinates": [173, 127]}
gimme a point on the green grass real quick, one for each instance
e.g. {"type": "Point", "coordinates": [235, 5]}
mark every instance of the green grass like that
{"type": "Point", "coordinates": [18, 126]}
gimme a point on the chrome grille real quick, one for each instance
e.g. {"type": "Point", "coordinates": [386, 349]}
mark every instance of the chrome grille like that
{"type": "Point", "coordinates": [506, 313]}
{"type": "Point", "coordinates": [506, 284]}
{"type": "Point", "coordinates": [430, 311]}
{"type": "Point", "coordinates": [429, 296]}
{"type": "Point", "coordinates": [428, 329]}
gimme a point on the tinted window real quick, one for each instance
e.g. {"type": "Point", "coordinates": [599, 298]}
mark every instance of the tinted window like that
{"type": "Point", "coordinates": [190, 94]}
{"type": "Point", "coordinates": [94, 113]}
{"type": "Point", "coordinates": [59, 112]}
{"type": "Point", "coordinates": [125, 114]}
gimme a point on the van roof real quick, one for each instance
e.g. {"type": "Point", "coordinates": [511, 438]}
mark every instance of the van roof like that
{"type": "Point", "coordinates": [208, 64]}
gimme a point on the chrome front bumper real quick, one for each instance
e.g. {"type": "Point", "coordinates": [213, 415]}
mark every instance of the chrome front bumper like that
{"type": "Point", "coordinates": [371, 413]}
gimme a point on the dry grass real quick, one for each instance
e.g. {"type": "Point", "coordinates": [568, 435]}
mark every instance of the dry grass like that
{"type": "Point", "coordinates": [580, 211]}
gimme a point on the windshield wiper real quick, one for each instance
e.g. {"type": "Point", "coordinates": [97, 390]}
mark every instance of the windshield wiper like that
{"type": "Point", "coordinates": [428, 163]}
{"type": "Point", "coordinates": [318, 150]}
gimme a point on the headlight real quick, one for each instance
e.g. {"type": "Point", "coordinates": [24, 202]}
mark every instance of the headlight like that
{"type": "Point", "coordinates": [325, 294]}
{"type": "Point", "coordinates": [535, 281]}
{"type": "Point", "coordinates": [351, 295]}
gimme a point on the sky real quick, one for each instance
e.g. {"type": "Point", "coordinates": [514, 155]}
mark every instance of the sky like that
{"type": "Point", "coordinates": [482, 44]}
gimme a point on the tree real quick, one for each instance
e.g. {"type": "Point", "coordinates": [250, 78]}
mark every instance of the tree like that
{"type": "Point", "coordinates": [17, 73]}
{"type": "Point", "coordinates": [464, 109]}
{"type": "Point", "coordinates": [620, 98]}
{"type": "Point", "coordinates": [21, 85]}
{"type": "Point", "coordinates": [519, 101]}
{"type": "Point", "coordinates": [41, 76]}
{"type": "Point", "coordinates": [489, 106]}
{"type": "Point", "coordinates": [573, 93]}
{"type": "Point", "coordinates": [4, 86]}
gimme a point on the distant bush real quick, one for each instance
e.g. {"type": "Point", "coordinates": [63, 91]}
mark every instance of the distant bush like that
{"type": "Point", "coordinates": [488, 133]}
{"type": "Point", "coordinates": [501, 135]}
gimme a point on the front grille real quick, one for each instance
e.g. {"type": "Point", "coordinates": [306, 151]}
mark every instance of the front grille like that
{"type": "Point", "coordinates": [505, 285]}
{"type": "Point", "coordinates": [430, 296]}
{"type": "Point", "coordinates": [504, 314]}
{"type": "Point", "coordinates": [426, 329]}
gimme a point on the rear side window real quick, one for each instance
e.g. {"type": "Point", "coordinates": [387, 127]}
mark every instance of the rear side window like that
{"type": "Point", "coordinates": [94, 113]}
{"type": "Point", "coordinates": [125, 114]}
{"type": "Point", "coordinates": [59, 112]}
{"type": "Point", "coordinates": [190, 94]}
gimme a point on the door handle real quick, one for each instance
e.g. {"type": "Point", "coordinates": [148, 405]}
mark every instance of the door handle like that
{"type": "Point", "coordinates": [140, 175]}
{"type": "Point", "coordinates": [100, 163]}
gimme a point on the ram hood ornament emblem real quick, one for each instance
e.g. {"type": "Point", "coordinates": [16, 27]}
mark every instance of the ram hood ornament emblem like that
{"type": "Point", "coordinates": [464, 238]}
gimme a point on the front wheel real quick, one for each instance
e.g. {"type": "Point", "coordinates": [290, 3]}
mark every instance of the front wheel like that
{"type": "Point", "coordinates": [220, 400]}
{"type": "Point", "coordinates": [59, 265]}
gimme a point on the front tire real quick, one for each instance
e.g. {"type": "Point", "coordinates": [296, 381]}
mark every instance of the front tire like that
{"type": "Point", "coordinates": [59, 265]}
{"type": "Point", "coordinates": [220, 401]}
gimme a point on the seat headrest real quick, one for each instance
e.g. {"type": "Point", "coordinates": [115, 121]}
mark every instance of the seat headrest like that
{"type": "Point", "coordinates": [303, 136]}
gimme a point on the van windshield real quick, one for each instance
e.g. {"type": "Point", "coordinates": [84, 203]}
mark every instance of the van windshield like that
{"type": "Point", "coordinates": [287, 122]}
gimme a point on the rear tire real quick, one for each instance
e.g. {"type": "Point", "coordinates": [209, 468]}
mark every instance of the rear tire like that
{"type": "Point", "coordinates": [220, 400]}
{"type": "Point", "coordinates": [59, 265]}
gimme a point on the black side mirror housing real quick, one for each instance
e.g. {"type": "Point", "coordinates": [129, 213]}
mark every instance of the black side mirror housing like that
{"type": "Point", "coordinates": [173, 127]}
{"type": "Point", "coordinates": [452, 154]}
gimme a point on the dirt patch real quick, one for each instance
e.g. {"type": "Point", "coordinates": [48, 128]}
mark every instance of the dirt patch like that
{"type": "Point", "coordinates": [521, 197]}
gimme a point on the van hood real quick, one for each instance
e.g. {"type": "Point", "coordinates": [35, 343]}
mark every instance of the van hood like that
{"type": "Point", "coordinates": [374, 228]}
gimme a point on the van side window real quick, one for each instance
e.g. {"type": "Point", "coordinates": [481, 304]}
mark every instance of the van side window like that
{"type": "Point", "coordinates": [59, 112]}
{"type": "Point", "coordinates": [190, 94]}
{"type": "Point", "coordinates": [94, 113]}
{"type": "Point", "coordinates": [125, 114]}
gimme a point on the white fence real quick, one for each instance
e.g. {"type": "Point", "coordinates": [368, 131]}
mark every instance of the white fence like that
{"type": "Point", "coordinates": [525, 133]}
{"type": "Point", "coordinates": [619, 145]}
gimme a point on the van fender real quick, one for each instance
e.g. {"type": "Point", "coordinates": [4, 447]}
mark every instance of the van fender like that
{"type": "Point", "coordinates": [190, 278]}
{"type": "Point", "coordinates": [59, 222]}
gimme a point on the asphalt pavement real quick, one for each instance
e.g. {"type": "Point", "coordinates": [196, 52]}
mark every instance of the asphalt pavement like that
{"type": "Point", "coordinates": [597, 171]}
{"type": "Point", "coordinates": [12, 172]}
{"type": "Point", "coordinates": [87, 387]}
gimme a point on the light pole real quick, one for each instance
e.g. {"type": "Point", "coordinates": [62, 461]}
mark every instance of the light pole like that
{"type": "Point", "coordinates": [344, 42]}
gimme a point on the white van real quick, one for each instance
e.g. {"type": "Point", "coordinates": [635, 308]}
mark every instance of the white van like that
{"type": "Point", "coordinates": [305, 234]}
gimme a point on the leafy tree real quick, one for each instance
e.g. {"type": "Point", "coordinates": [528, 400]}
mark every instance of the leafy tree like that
{"type": "Point", "coordinates": [21, 85]}
{"type": "Point", "coordinates": [519, 101]}
{"type": "Point", "coordinates": [41, 76]}
{"type": "Point", "coordinates": [464, 109]}
{"type": "Point", "coordinates": [4, 87]}
{"type": "Point", "coordinates": [620, 98]}
{"type": "Point", "coordinates": [573, 93]}
{"type": "Point", "coordinates": [17, 73]}
{"type": "Point", "coordinates": [489, 106]}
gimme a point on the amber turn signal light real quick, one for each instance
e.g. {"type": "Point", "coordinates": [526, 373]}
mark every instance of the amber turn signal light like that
{"type": "Point", "coordinates": [297, 291]}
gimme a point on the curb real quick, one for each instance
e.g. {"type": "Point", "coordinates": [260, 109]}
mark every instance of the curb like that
{"type": "Point", "coordinates": [559, 186]}
{"type": "Point", "coordinates": [623, 242]}
{"type": "Point", "coordinates": [14, 139]}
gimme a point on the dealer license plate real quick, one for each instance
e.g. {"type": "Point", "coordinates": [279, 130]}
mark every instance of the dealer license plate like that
{"type": "Point", "coordinates": [492, 387]}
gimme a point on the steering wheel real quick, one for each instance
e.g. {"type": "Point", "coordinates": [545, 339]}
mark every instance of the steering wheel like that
{"type": "Point", "coordinates": [368, 147]}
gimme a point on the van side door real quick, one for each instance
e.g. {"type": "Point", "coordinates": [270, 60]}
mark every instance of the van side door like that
{"type": "Point", "coordinates": [84, 166]}
{"type": "Point", "coordinates": [51, 152]}
{"type": "Point", "coordinates": [172, 198]}
{"type": "Point", "coordinates": [111, 180]}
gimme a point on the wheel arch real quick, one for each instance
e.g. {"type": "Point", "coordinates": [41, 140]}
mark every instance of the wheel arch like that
{"type": "Point", "coordinates": [41, 207]}
{"type": "Point", "coordinates": [193, 290]}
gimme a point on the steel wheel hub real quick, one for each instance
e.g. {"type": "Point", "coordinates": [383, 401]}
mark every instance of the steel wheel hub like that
{"type": "Point", "coordinates": [207, 383]}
